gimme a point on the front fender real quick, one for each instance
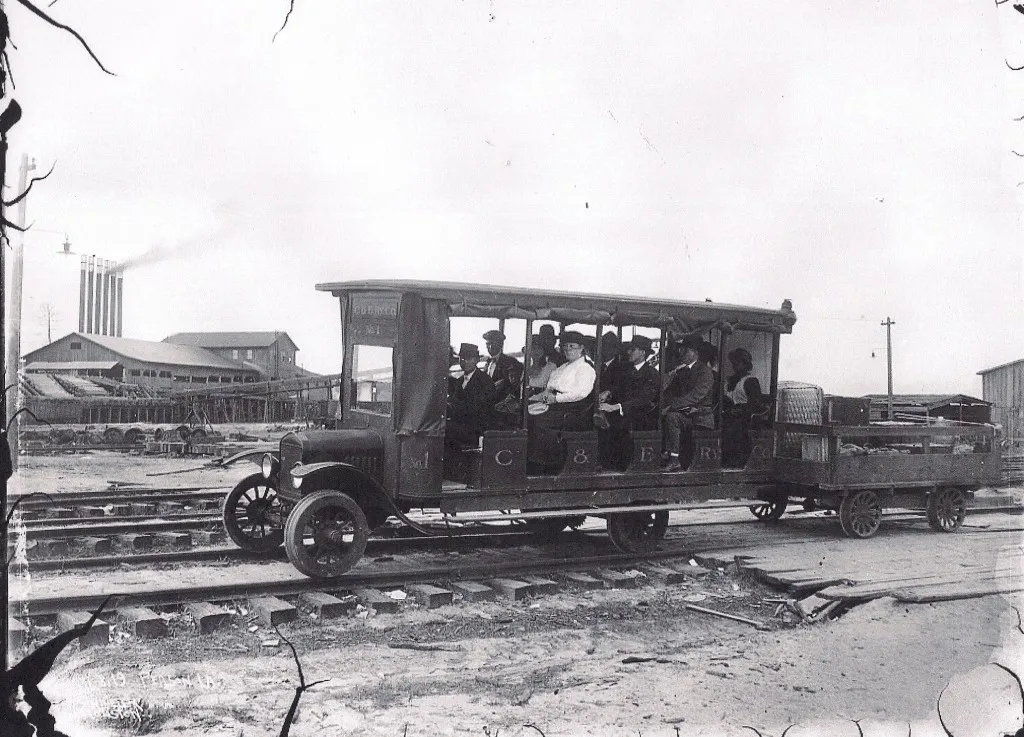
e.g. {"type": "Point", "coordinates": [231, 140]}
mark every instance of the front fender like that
{"type": "Point", "coordinates": [253, 454]}
{"type": "Point", "coordinates": [355, 481]}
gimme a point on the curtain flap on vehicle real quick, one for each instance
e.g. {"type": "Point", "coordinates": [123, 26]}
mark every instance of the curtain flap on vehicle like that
{"type": "Point", "coordinates": [570, 315]}
{"type": "Point", "coordinates": [421, 366]}
{"type": "Point", "coordinates": [509, 312]}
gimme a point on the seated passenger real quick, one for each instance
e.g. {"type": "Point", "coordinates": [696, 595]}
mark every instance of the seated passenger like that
{"type": "Point", "coordinates": [631, 405]}
{"type": "Point", "coordinates": [507, 374]}
{"type": "Point", "coordinates": [540, 368]}
{"type": "Point", "coordinates": [743, 401]}
{"type": "Point", "coordinates": [565, 404]}
{"type": "Point", "coordinates": [546, 337]}
{"type": "Point", "coordinates": [686, 404]}
{"type": "Point", "coordinates": [614, 364]}
{"type": "Point", "coordinates": [505, 371]}
{"type": "Point", "coordinates": [470, 401]}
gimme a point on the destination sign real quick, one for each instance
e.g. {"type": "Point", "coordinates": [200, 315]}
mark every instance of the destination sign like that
{"type": "Point", "coordinates": [373, 319]}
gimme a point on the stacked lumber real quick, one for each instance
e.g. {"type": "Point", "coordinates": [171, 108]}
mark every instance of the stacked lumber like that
{"type": "Point", "coordinates": [915, 568]}
{"type": "Point", "coordinates": [1013, 468]}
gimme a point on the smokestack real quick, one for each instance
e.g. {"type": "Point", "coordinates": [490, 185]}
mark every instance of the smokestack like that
{"type": "Point", "coordinates": [100, 319]}
{"type": "Point", "coordinates": [81, 299]}
{"type": "Point", "coordinates": [105, 322]}
{"type": "Point", "coordinates": [120, 295]}
{"type": "Point", "coordinates": [91, 303]}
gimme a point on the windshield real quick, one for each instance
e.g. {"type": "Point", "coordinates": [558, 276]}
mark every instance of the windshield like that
{"type": "Point", "coordinates": [372, 378]}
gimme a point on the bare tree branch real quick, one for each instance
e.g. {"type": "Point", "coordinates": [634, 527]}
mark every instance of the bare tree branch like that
{"type": "Point", "coordinates": [859, 730]}
{"type": "Point", "coordinates": [291, 7]}
{"type": "Point", "coordinates": [534, 726]}
{"type": "Point", "coordinates": [69, 29]}
{"type": "Point", "coordinates": [752, 730]}
{"type": "Point", "coordinates": [1019, 9]}
{"type": "Point", "coordinates": [19, 500]}
{"type": "Point", "coordinates": [30, 413]}
{"type": "Point", "coordinates": [1010, 66]}
{"type": "Point", "coordinates": [28, 189]}
{"type": "Point", "coordinates": [299, 690]}
{"type": "Point", "coordinates": [5, 223]}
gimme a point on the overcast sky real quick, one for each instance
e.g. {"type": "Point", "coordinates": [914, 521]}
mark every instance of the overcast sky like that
{"type": "Point", "coordinates": [854, 158]}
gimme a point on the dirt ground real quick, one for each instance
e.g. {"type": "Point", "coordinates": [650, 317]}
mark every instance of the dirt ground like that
{"type": "Point", "coordinates": [594, 663]}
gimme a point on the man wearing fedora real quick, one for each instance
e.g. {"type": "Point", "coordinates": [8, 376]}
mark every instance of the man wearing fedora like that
{"type": "Point", "coordinates": [567, 403]}
{"type": "Point", "coordinates": [686, 403]}
{"type": "Point", "coordinates": [505, 371]}
{"type": "Point", "coordinates": [631, 403]}
{"type": "Point", "coordinates": [470, 400]}
{"type": "Point", "coordinates": [633, 400]}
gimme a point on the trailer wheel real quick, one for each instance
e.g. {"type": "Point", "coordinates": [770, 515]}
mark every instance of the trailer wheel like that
{"type": "Point", "coordinates": [860, 513]}
{"type": "Point", "coordinates": [637, 532]}
{"type": "Point", "coordinates": [946, 509]}
{"type": "Point", "coordinates": [325, 534]}
{"type": "Point", "coordinates": [252, 515]}
{"type": "Point", "coordinates": [769, 511]}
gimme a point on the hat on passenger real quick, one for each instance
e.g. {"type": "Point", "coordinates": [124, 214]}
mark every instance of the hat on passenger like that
{"type": "Point", "coordinates": [706, 351]}
{"type": "Point", "coordinates": [741, 354]}
{"type": "Point", "coordinates": [610, 342]}
{"type": "Point", "coordinates": [571, 336]}
{"type": "Point", "coordinates": [642, 342]}
{"type": "Point", "coordinates": [495, 335]}
{"type": "Point", "coordinates": [689, 341]}
{"type": "Point", "coordinates": [468, 350]}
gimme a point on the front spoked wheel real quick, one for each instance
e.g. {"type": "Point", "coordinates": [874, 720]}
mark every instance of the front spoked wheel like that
{"type": "Point", "coordinates": [325, 534]}
{"type": "Point", "coordinates": [252, 515]}
{"type": "Point", "coordinates": [637, 533]}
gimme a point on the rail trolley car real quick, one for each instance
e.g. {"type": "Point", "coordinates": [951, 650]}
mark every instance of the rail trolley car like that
{"type": "Point", "coordinates": [323, 492]}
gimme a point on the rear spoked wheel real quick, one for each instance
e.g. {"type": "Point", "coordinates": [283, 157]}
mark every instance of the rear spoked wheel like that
{"type": "Point", "coordinates": [548, 529]}
{"type": "Point", "coordinates": [637, 533]}
{"type": "Point", "coordinates": [946, 509]}
{"type": "Point", "coordinates": [769, 510]}
{"type": "Point", "coordinates": [252, 515]}
{"type": "Point", "coordinates": [325, 534]}
{"type": "Point", "coordinates": [860, 513]}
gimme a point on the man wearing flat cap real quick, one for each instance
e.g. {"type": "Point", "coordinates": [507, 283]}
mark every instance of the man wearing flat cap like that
{"type": "Point", "coordinates": [470, 400]}
{"type": "Point", "coordinates": [505, 371]}
{"type": "Point", "coordinates": [686, 401]}
{"type": "Point", "coordinates": [568, 398]}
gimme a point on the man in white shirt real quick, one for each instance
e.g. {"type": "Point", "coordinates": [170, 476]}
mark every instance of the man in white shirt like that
{"type": "Point", "coordinates": [568, 399]}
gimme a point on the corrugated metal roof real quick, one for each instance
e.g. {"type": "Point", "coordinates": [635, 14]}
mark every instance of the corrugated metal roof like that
{"type": "Point", "coordinates": [259, 339]}
{"type": "Point", "coordinates": [1000, 366]}
{"type": "Point", "coordinates": [70, 365]}
{"type": "Point", "coordinates": [159, 352]}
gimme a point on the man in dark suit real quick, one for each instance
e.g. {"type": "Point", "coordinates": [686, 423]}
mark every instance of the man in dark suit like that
{"type": "Point", "coordinates": [631, 403]}
{"type": "Point", "coordinates": [506, 373]}
{"type": "Point", "coordinates": [686, 403]}
{"type": "Point", "coordinates": [470, 400]}
{"type": "Point", "coordinates": [615, 366]}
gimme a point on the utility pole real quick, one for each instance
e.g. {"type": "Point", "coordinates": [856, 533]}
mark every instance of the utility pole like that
{"type": "Point", "coordinates": [14, 324]}
{"type": "Point", "coordinates": [10, 116]}
{"type": "Point", "coordinates": [888, 355]}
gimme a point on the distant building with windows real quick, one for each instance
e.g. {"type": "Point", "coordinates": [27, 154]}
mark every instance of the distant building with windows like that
{"type": "Point", "coordinates": [270, 353]}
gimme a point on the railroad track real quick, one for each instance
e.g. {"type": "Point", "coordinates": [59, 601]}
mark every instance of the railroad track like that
{"type": "Point", "coordinates": [392, 557]}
